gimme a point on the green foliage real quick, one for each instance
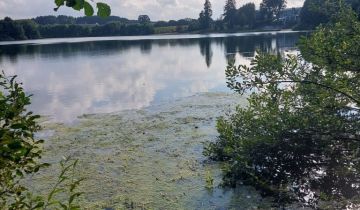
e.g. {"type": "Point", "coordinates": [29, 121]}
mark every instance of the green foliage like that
{"type": "Point", "coordinates": [230, 13]}
{"type": "Point", "coordinates": [298, 140]}
{"type": "Point", "coordinates": [209, 180]}
{"type": "Point", "coordinates": [11, 30]}
{"type": "Point", "coordinates": [205, 19]}
{"type": "Point", "coordinates": [20, 153]}
{"type": "Point", "coordinates": [89, 11]}
{"type": "Point", "coordinates": [242, 18]}
{"type": "Point", "coordinates": [30, 29]}
{"type": "Point", "coordinates": [103, 10]}
{"type": "Point", "coordinates": [270, 9]}
{"type": "Point", "coordinates": [63, 195]}
{"type": "Point", "coordinates": [64, 26]}
{"type": "Point", "coordinates": [246, 16]}
{"type": "Point", "coordinates": [338, 47]}
{"type": "Point", "coordinates": [18, 30]}
{"type": "Point", "coordinates": [316, 12]}
{"type": "Point", "coordinates": [86, 20]}
{"type": "Point", "coordinates": [143, 19]}
{"type": "Point", "coordinates": [67, 184]}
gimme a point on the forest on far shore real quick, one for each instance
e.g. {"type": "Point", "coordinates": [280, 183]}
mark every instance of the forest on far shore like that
{"type": "Point", "coordinates": [269, 16]}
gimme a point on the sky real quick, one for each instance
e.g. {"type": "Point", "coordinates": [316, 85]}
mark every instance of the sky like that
{"type": "Point", "coordinates": [156, 9]}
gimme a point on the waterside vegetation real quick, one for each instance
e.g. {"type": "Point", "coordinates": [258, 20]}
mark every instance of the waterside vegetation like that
{"type": "Point", "coordinates": [298, 139]}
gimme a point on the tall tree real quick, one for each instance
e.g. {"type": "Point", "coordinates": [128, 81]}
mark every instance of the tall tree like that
{"type": "Point", "coordinates": [230, 13]}
{"type": "Point", "coordinates": [205, 15]}
{"type": "Point", "coordinates": [270, 9]}
{"type": "Point", "coordinates": [144, 19]}
{"type": "Point", "coordinates": [246, 15]}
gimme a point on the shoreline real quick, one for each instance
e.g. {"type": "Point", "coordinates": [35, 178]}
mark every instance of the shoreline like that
{"type": "Point", "coordinates": [146, 37]}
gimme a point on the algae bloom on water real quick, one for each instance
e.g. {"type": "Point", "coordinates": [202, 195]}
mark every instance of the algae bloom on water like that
{"type": "Point", "coordinates": [150, 158]}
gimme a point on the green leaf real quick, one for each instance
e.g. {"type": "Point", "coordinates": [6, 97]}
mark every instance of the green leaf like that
{"type": "Point", "coordinates": [59, 2]}
{"type": "Point", "coordinates": [63, 206]}
{"type": "Point", "coordinates": [39, 205]}
{"type": "Point", "coordinates": [89, 11]}
{"type": "Point", "coordinates": [18, 126]}
{"type": "Point", "coordinates": [19, 173]}
{"type": "Point", "coordinates": [70, 3]}
{"type": "Point", "coordinates": [54, 192]}
{"type": "Point", "coordinates": [104, 10]}
{"type": "Point", "coordinates": [15, 145]}
{"type": "Point", "coordinates": [74, 196]}
{"type": "Point", "coordinates": [79, 4]}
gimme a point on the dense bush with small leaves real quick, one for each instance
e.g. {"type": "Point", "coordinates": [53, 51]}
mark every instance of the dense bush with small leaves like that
{"type": "Point", "coordinates": [298, 139]}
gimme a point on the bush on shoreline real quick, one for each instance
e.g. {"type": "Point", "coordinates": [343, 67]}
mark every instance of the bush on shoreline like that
{"type": "Point", "coordinates": [20, 155]}
{"type": "Point", "coordinates": [298, 139]}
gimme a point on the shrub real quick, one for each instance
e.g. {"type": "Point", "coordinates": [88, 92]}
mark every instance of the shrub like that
{"type": "Point", "coordinates": [20, 153]}
{"type": "Point", "coordinates": [298, 140]}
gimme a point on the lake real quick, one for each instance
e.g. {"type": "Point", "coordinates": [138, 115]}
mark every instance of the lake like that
{"type": "Point", "coordinates": [150, 156]}
{"type": "Point", "coordinates": [72, 77]}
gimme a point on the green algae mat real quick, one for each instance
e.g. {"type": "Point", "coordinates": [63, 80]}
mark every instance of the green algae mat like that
{"type": "Point", "coordinates": [147, 159]}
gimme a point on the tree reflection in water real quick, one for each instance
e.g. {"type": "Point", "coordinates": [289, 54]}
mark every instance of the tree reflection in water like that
{"type": "Point", "coordinates": [70, 77]}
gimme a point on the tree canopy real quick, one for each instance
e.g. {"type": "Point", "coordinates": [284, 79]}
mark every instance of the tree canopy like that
{"type": "Point", "coordinates": [316, 12]}
{"type": "Point", "coordinates": [230, 13]}
{"type": "Point", "coordinates": [205, 16]}
{"type": "Point", "coordinates": [270, 9]}
{"type": "Point", "coordinates": [246, 15]}
{"type": "Point", "coordinates": [144, 19]}
{"type": "Point", "coordinates": [29, 29]}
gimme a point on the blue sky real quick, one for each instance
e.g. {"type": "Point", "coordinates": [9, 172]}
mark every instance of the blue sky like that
{"type": "Point", "coordinates": [156, 9]}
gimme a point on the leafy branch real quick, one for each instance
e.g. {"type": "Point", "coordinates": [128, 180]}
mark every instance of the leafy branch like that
{"type": "Point", "coordinates": [66, 183]}
{"type": "Point", "coordinates": [103, 10]}
{"type": "Point", "coordinates": [20, 153]}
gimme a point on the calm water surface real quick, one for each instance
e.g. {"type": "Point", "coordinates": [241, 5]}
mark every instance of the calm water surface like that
{"type": "Point", "coordinates": [71, 77]}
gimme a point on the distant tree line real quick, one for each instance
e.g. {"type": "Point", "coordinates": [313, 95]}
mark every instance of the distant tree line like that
{"type": "Point", "coordinates": [18, 30]}
{"type": "Point", "coordinates": [271, 15]}
{"type": "Point", "coordinates": [245, 17]}
{"type": "Point", "coordinates": [67, 26]}
{"type": "Point", "coordinates": [110, 29]}
{"type": "Point", "coordinates": [96, 20]}
{"type": "Point", "coordinates": [90, 20]}
{"type": "Point", "coordinates": [63, 26]}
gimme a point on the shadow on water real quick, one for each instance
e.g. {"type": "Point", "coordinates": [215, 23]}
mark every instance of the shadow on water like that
{"type": "Point", "coordinates": [244, 45]}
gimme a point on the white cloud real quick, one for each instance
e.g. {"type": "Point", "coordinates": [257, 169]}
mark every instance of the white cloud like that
{"type": "Point", "coordinates": [167, 2]}
{"type": "Point", "coordinates": [156, 9]}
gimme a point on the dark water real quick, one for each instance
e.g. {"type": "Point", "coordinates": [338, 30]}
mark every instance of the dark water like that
{"type": "Point", "coordinates": [71, 77]}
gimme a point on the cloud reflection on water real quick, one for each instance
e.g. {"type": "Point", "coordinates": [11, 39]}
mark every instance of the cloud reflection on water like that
{"type": "Point", "coordinates": [71, 79]}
